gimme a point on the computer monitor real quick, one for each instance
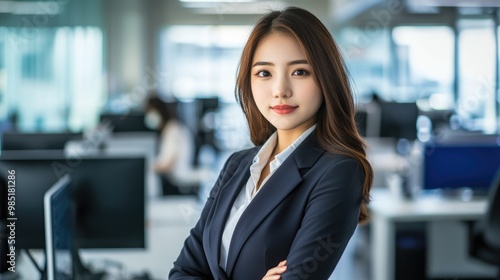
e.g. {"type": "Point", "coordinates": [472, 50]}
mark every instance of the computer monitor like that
{"type": "Point", "coordinates": [108, 194]}
{"type": "Point", "coordinates": [398, 120]}
{"type": "Point", "coordinates": [454, 137]}
{"type": "Point", "coordinates": [361, 118]}
{"type": "Point", "coordinates": [207, 104]}
{"type": "Point", "coordinates": [460, 166]}
{"type": "Point", "coordinates": [110, 202]}
{"type": "Point", "coordinates": [59, 221]}
{"type": "Point", "coordinates": [37, 141]}
{"type": "Point", "coordinates": [440, 119]}
{"type": "Point", "coordinates": [367, 119]}
{"type": "Point", "coordinates": [33, 179]}
{"type": "Point", "coordinates": [130, 122]}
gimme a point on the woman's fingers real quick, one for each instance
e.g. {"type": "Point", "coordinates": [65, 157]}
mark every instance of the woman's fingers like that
{"type": "Point", "coordinates": [272, 277]}
{"type": "Point", "coordinates": [275, 272]}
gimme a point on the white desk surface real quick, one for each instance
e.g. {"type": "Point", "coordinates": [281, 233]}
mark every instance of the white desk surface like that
{"type": "Point", "coordinates": [387, 209]}
{"type": "Point", "coordinates": [425, 208]}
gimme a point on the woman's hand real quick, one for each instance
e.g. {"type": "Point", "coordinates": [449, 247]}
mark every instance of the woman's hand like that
{"type": "Point", "coordinates": [275, 272]}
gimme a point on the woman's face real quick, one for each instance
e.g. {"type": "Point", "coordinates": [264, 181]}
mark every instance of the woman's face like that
{"type": "Point", "coordinates": [283, 84]}
{"type": "Point", "coordinates": [152, 119]}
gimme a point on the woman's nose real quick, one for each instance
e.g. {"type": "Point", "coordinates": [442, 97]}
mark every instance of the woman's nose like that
{"type": "Point", "coordinates": [282, 88]}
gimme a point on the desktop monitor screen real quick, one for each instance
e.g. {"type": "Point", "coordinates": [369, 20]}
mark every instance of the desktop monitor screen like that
{"type": "Point", "coordinates": [37, 141]}
{"type": "Point", "coordinates": [108, 194]}
{"type": "Point", "coordinates": [361, 121]}
{"type": "Point", "coordinates": [110, 208]}
{"type": "Point", "coordinates": [58, 214]}
{"type": "Point", "coordinates": [32, 181]}
{"type": "Point", "coordinates": [460, 166]}
{"type": "Point", "coordinates": [398, 120]}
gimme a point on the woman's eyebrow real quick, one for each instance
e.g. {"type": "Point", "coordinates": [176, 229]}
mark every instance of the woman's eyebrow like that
{"type": "Point", "coordinates": [263, 63]}
{"type": "Point", "coordinates": [293, 62]}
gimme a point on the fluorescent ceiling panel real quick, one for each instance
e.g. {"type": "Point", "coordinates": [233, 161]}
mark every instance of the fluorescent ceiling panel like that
{"type": "Point", "coordinates": [211, 7]}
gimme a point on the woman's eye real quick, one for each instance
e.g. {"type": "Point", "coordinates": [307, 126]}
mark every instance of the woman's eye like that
{"type": "Point", "coordinates": [263, 73]}
{"type": "Point", "coordinates": [300, 72]}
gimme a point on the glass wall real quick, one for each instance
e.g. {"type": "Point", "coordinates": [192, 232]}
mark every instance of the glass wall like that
{"type": "Point", "coordinates": [419, 64]}
{"type": "Point", "coordinates": [367, 54]}
{"type": "Point", "coordinates": [476, 84]}
{"type": "Point", "coordinates": [53, 81]}
{"type": "Point", "coordinates": [201, 61]}
{"type": "Point", "coordinates": [424, 64]}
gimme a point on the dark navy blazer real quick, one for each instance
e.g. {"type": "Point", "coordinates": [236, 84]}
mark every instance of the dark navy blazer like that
{"type": "Point", "coordinates": [305, 213]}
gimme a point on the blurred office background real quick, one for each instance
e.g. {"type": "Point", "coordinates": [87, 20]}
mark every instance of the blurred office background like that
{"type": "Point", "coordinates": [426, 82]}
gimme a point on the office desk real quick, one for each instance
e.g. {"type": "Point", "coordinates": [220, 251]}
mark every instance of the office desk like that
{"type": "Point", "coordinates": [387, 210]}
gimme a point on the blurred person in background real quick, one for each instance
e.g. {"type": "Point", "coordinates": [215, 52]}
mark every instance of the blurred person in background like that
{"type": "Point", "coordinates": [176, 149]}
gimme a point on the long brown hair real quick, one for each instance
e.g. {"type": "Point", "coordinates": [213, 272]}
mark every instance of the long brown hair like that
{"type": "Point", "coordinates": [336, 128]}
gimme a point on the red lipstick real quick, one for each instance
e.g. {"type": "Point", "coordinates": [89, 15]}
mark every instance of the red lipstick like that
{"type": "Point", "coordinates": [283, 109]}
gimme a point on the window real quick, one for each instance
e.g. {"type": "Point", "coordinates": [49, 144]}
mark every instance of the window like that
{"type": "Point", "coordinates": [368, 58]}
{"type": "Point", "coordinates": [424, 63]}
{"type": "Point", "coordinates": [51, 80]}
{"type": "Point", "coordinates": [201, 61]}
{"type": "Point", "coordinates": [476, 87]}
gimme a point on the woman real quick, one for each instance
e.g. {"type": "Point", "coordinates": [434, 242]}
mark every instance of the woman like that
{"type": "Point", "coordinates": [286, 208]}
{"type": "Point", "coordinates": [176, 149]}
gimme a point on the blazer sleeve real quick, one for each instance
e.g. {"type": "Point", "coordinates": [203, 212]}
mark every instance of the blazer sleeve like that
{"type": "Point", "coordinates": [329, 221]}
{"type": "Point", "coordinates": [192, 263]}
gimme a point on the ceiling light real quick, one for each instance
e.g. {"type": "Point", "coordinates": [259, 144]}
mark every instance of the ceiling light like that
{"type": "Point", "coordinates": [234, 8]}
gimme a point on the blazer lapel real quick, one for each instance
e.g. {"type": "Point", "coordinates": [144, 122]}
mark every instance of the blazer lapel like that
{"type": "Point", "coordinates": [224, 203]}
{"type": "Point", "coordinates": [279, 185]}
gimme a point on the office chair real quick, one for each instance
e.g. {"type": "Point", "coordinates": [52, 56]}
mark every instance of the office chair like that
{"type": "Point", "coordinates": [485, 235]}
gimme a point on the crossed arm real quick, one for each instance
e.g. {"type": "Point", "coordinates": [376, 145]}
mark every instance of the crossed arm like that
{"type": "Point", "coordinates": [329, 221]}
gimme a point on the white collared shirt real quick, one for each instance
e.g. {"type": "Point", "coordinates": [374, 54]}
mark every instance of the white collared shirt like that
{"type": "Point", "coordinates": [249, 191]}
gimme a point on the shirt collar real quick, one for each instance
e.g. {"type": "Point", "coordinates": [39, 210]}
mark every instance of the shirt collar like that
{"type": "Point", "coordinates": [280, 158]}
{"type": "Point", "coordinates": [265, 152]}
